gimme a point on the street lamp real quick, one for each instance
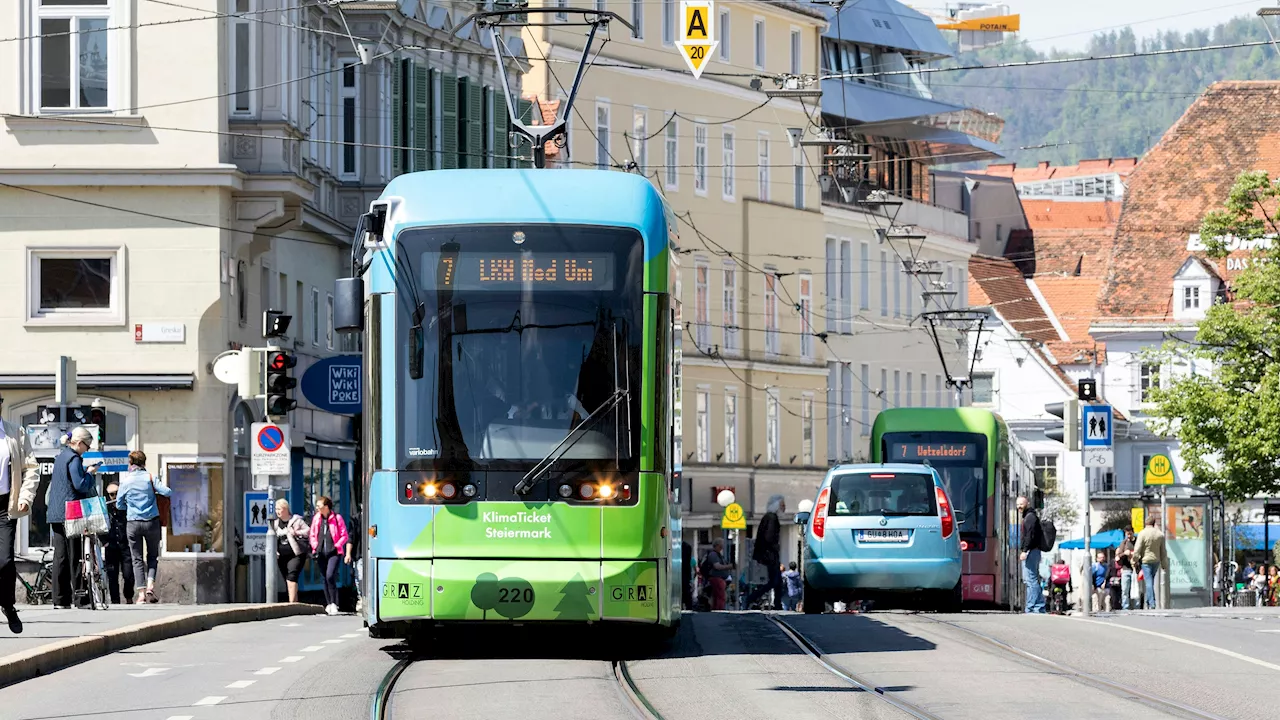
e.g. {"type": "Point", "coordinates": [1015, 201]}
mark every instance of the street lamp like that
{"type": "Point", "coordinates": [805, 506]}
{"type": "Point", "coordinates": [725, 498]}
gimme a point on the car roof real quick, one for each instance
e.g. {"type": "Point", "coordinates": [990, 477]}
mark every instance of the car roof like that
{"type": "Point", "coordinates": [859, 468]}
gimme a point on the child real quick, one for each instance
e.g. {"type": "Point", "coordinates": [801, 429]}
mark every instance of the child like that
{"type": "Point", "coordinates": [795, 587]}
{"type": "Point", "coordinates": [1060, 586]}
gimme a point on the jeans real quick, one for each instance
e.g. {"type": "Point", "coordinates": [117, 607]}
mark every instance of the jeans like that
{"type": "Point", "coordinates": [1149, 572]}
{"type": "Point", "coordinates": [789, 602]}
{"type": "Point", "coordinates": [328, 564]}
{"type": "Point", "coordinates": [1031, 578]}
{"type": "Point", "coordinates": [1126, 587]}
{"type": "Point", "coordinates": [144, 567]}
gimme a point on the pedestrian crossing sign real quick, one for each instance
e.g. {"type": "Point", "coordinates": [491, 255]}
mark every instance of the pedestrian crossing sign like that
{"type": "Point", "coordinates": [1096, 426]}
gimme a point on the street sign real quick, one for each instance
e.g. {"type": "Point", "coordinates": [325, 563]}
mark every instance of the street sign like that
{"type": "Point", "coordinates": [333, 384]}
{"type": "Point", "coordinates": [255, 545]}
{"type": "Point", "coordinates": [258, 512]}
{"type": "Point", "coordinates": [1136, 518]}
{"type": "Point", "coordinates": [1096, 427]}
{"type": "Point", "coordinates": [110, 461]}
{"type": "Point", "coordinates": [269, 454]}
{"type": "Point", "coordinates": [1159, 470]}
{"type": "Point", "coordinates": [1098, 457]}
{"type": "Point", "coordinates": [697, 34]}
{"type": "Point", "coordinates": [733, 518]}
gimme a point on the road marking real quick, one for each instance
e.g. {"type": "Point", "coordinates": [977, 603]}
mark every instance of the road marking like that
{"type": "Point", "coordinates": [312, 648]}
{"type": "Point", "coordinates": [211, 700]}
{"type": "Point", "coordinates": [333, 641]}
{"type": "Point", "coordinates": [291, 625]}
{"type": "Point", "coordinates": [1184, 641]}
{"type": "Point", "coordinates": [179, 717]}
{"type": "Point", "coordinates": [268, 671]}
{"type": "Point", "coordinates": [149, 672]}
{"type": "Point", "coordinates": [1270, 631]}
{"type": "Point", "coordinates": [291, 658]}
{"type": "Point", "coordinates": [350, 636]}
{"type": "Point", "coordinates": [240, 684]}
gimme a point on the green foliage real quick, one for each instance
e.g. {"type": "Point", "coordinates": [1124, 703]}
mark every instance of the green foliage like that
{"type": "Point", "coordinates": [1226, 420]}
{"type": "Point", "coordinates": [1108, 108]}
{"type": "Point", "coordinates": [1060, 507]}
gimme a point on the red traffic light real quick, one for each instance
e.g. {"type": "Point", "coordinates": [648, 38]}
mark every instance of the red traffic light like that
{"type": "Point", "coordinates": [281, 361]}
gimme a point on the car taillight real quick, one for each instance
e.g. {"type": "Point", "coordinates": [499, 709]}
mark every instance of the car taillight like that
{"type": "Point", "coordinates": [944, 508]}
{"type": "Point", "coordinates": [820, 514]}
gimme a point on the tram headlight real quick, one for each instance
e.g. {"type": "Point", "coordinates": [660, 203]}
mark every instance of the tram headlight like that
{"type": "Point", "coordinates": [565, 491]}
{"type": "Point", "coordinates": [429, 490]}
{"type": "Point", "coordinates": [469, 490]}
{"type": "Point", "coordinates": [606, 491]}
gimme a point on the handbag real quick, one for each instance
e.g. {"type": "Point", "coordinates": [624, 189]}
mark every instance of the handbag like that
{"type": "Point", "coordinates": [88, 515]}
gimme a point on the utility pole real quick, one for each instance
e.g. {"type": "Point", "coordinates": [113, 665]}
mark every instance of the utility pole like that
{"type": "Point", "coordinates": [1164, 574]}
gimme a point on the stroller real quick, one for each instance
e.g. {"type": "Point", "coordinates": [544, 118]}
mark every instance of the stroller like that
{"type": "Point", "coordinates": [1059, 588]}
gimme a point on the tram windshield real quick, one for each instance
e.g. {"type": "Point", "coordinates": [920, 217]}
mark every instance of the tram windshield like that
{"type": "Point", "coordinates": [526, 334]}
{"type": "Point", "coordinates": [960, 458]}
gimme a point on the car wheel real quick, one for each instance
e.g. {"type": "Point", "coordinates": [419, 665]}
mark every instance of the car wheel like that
{"type": "Point", "coordinates": [951, 600]}
{"type": "Point", "coordinates": [814, 601]}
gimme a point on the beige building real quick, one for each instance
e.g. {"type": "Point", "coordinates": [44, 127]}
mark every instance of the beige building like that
{"type": "Point", "coordinates": [172, 170]}
{"type": "Point", "coordinates": [750, 231]}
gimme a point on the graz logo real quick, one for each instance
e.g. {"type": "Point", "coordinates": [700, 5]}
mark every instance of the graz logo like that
{"type": "Point", "coordinates": [406, 593]}
{"type": "Point", "coordinates": [632, 593]}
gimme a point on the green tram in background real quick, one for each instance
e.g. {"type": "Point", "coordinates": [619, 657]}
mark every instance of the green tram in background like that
{"type": "Point", "coordinates": [984, 468]}
{"type": "Point", "coordinates": [521, 422]}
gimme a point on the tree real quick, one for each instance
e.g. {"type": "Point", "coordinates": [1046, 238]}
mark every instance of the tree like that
{"type": "Point", "coordinates": [1225, 419]}
{"type": "Point", "coordinates": [1060, 508]}
{"type": "Point", "coordinates": [576, 603]}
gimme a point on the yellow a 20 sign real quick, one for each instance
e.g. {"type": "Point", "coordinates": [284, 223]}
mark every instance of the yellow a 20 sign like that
{"type": "Point", "coordinates": [697, 34]}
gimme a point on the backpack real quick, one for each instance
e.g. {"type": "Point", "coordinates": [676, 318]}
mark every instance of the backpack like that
{"type": "Point", "coordinates": [1059, 574]}
{"type": "Point", "coordinates": [1048, 535]}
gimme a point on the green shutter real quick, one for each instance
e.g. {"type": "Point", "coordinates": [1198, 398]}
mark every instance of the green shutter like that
{"type": "Point", "coordinates": [525, 110]}
{"type": "Point", "coordinates": [449, 113]}
{"type": "Point", "coordinates": [499, 129]}
{"type": "Point", "coordinates": [475, 129]}
{"type": "Point", "coordinates": [396, 119]}
{"type": "Point", "coordinates": [421, 118]}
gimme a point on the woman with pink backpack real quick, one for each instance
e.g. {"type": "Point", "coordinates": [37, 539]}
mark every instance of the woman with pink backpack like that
{"type": "Point", "coordinates": [329, 541]}
{"type": "Point", "coordinates": [1059, 586]}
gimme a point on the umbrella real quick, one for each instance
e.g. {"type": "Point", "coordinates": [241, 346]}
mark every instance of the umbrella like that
{"type": "Point", "coordinates": [1101, 541]}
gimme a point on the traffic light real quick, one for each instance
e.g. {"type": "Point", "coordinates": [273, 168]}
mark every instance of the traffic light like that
{"type": "Point", "coordinates": [98, 416]}
{"type": "Point", "coordinates": [279, 383]}
{"type": "Point", "coordinates": [1087, 390]}
{"type": "Point", "coordinates": [275, 324]}
{"type": "Point", "coordinates": [1068, 433]}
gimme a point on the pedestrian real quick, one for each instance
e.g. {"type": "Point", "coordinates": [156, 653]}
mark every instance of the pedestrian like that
{"type": "Point", "coordinates": [115, 549]}
{"type": "Point", "coordinates": [354, 558]}
{"type": "Point", "coordinates": [1031, 540]}
{"type": "Point", "coordinates": [71, 480]}
{"type": "Point", "coordinates": [1260, 585]}
{"type": "Point", "coordinates": [1115, 586]}
{"type": "Point", "coordinates": [293, 545]}
{"type": "Point", "coordinates": [138, 491]}
{"type": "Point", "coordinates": [329, 543]}
{"type": "Point", "coordinates": [794, 585]}
{"type": "Point", "coordinates": [1124, 558]}
{"type": "Point", "coordinates": [768, 551]}
{"type": "Point", "coordinates": [1101, 576]}
{"type": "Point", "coordinates": [716, 572]}
{"type": "Point", "coordinates": [1150, 551]}
{"type": "Point", "coordinates": [1059, 586]}
{"type": "Point", "coordinates": [19, 480]}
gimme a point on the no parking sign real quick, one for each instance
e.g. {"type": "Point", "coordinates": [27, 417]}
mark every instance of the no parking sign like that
{"type": "Point", "coordinates": [269, 454]}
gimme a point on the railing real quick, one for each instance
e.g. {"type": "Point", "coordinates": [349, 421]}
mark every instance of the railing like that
{"type": "Point", "coordinates": [912, 211]}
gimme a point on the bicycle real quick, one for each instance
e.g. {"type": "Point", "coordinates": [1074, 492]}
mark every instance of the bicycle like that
{"type": "Point", "coordinates": [41, 591]}
{"type": "Point", "coordinates": [93, 574]}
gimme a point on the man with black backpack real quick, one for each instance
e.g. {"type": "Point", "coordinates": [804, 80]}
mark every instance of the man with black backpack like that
{"type": "Point", "coordinates": [1033, 543]}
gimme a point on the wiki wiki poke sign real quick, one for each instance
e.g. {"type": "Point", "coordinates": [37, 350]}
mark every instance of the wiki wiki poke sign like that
{"type": "Point", "coordinates": [697, 34]}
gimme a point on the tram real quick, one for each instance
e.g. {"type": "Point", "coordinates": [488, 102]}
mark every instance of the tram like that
{"type": "Point", "coordinates": [985, 469]}
{"type": "Point", "coordinates": [519, 461]}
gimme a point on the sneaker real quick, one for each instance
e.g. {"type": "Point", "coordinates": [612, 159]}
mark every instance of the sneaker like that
{"type": "Point", "coordinates": [15, 623]}
{"type": "Point", "coordinates": [331, 609]}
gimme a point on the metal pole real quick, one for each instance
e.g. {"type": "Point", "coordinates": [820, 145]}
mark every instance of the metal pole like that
{"type": "Point", "coordinates": [1164, 574]}
{"type": "Point", "coordinates": [1086, 607]}
{"type": "Point", "coordinates": [272, 569]}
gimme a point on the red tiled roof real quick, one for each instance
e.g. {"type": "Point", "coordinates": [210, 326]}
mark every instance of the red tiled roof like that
{"type": "Point", "coordinates": [1044, 171]}
{"type": "Point", "coordinates": [1060, 252]}
{"type": "Point", "coordinates": [997, 282]}
{"type": "Point", "coordinates": [1073, 301]}
{"type": "Point", "coordinates": [1070, 214]}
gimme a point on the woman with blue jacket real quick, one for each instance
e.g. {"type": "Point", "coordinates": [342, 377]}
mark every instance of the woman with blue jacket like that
{"type": "Point", "coordinates": [137, 496]}
{"type": "Point", "coordinates": [71, 481]}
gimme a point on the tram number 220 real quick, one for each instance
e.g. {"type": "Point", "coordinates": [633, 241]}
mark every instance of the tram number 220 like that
{"type": "Point", "coordinates": [515, 595]}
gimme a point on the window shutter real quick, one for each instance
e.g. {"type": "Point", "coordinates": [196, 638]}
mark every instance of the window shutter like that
{"type": "Point", "coordinates": [449, 113]}
{"type": "Point", "coordinates": [475, 126]}
{"type": "Point", "coordinates": [421, 118]}
{"type": "Point", "coordinates": [525, 108]}
{"type": "Point", "coordinates": [397, 141]}
{"type": "Point", "coordinates": [499, 129]}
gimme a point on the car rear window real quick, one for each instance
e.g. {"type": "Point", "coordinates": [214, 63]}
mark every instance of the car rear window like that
{"type": "Point", "coordinates": [887, 493]}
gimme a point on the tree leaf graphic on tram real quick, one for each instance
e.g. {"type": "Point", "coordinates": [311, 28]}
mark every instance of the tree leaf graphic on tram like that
{"type": "Point", "coordinates": [484, 595]}
{"type": "Point", "coordinates": [576, 603]}
{"type": "Point", "coordinates": [510, 597]}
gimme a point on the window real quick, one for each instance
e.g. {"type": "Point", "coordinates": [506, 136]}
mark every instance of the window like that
{"type": "Point", "coordinates": [1046, 472]}
{"type": "Point", "coordinates": [672, 143]}
{"type": "Point", "coordinates": [937, 391]}
{"type": "Point", "coordinates": [772, 430]}
{"type": "Point", "coordinates": [640, 138]}
{"type": "Point", "coordinates": [637, 19]}
{"type": "Point", "coordinates": [999, 231]}
{"type": "Point", "coordinates": [897, 290]}
{"type": "Point", "coordinates": [833, 284]}
{"type": "Point", "coordinates": [299, 323]}
{"type": "Point", "coordinates": [264, 288]}
{"type": "Point", "coordinates": [983, 390]}
{"type": "Point", "coordinates": [864, 276]}
{"type": "Point", "coordinates": [349, 119]}
{"type": "Point", "coordinates": [562, 4]}
{"type": "Point", "coordinates": [282, 293]}
{"type": "Point", "coordinates": [74, 53]}
{"type": "Point", "coordinates": [600, 5]}
{"type": "Point", "coordinates": [602, 135]}
{"type": "Point", "coordinates": [385, 123]}
{"type": "Point", "coordinates": [977, 230]}
{"type": "Point", "coordinates": [908, 395]}
{"type": "Point", "coordinates": [772, 340]}
{"type": "Point", "coordinates": [806, 321]}
{"type": "Point", "coordinates": [924, 390]}
{"type": "Point", "coordinates": [866, 400]}
{"type": "Point", "coordinates": [728, 164]}
{"type": "Point", "coordinates": [759, 43]}
{"type": "Point", "coordinates": [80, 286]}
{"type": "Point", "coordinates": [884, 389]}
{"type": "Point", "coordinates": [909, 291]}
{"type": "Point", "coordinates": [700, 158]}
{"type": "Point", "coordinates": [242, 54]}
{"type": "Point", "coordinates": [315, 317]}
{"type": "Point", "coordinates": [1148, 380]}
{"type": "Point", "coordinates": [668, 22]}
{"type": "Point", "coordinates": [701, 304]}
{"type": "Point", "coordinates": [897, 388]}
{"type": "Point", "coordinates": [763, 145]}
{"type": "Point", "coordinates": [729, 298]}
{"type": "Point", "coordinates": [846, 410]}
{"type": "Point", "coordinates": [313, 123]}
{"type": "Point", "coordinates": [326, 107]}
{"type": "Point", "coordinates": [845, 286]}
{"type": "Point", "coordinates": [795, 52]}
{"type": "Point", "coordinates": [241, 287]}
{"type": "Point", "coordinates": [806, 430]}
{"type": "Point", "coordinates": [884, 284]}
{"type": "Point", "coordinates": [798, 179]}
{"type": "Point", "coordinates": [1109, 481]}
{"type": "Point", "coordinates": [724, 34]}
{"type": "Point", "coordinates": [702, 426]}
{"type": "Point", "coordinates": [730, 427]}
{"type": "Point", "coordinates": [328, 331]}
{"type": "Point", "coordinates": [1191, 297]}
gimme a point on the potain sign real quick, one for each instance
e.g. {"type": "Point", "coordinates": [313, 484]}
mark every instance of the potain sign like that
{"type": "Point", "coordinates": [697, 34]}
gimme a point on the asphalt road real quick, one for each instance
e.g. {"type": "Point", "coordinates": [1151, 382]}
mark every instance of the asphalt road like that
{"type": "Point", "coordinates": [722, 665]}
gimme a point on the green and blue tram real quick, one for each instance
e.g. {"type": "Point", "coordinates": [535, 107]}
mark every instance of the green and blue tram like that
{"type": "Point", "coordinates": [985, 468]}
{"type": "Point", "coordinates": [518, 452]}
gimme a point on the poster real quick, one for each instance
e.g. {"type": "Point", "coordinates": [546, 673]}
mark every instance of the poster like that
{"type": "Point", "coordinates": [1186, 522]}
{"type": "Point", "coordinates": [1188, 549]}
{"type": "Point", "coordinates": [189, 503]}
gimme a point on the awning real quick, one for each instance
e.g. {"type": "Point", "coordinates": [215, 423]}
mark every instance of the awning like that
{"type": "Point", "coordinates": [1250, 536]}
{"type": "Point", "coordinates": [947, 146]}
{"type": "Point", "coordinates": [867, 103]}
{"type": "Point", "coordinates": [122, 381]}
{"type": "Point", "coordinates": [888, 24]}
{"type": "Point", "coordinates": [1101, 541]}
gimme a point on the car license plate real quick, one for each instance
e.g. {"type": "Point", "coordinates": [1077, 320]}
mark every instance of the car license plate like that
{"type": "Point", "coordinates": [889, 536]}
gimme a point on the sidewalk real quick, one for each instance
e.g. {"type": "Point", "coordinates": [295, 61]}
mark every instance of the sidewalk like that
{"type": "Point", "coordinates": [53, 639]}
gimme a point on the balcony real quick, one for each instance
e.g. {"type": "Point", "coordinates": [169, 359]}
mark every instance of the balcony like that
{"type": "Point", "coordinates": [913, 211]}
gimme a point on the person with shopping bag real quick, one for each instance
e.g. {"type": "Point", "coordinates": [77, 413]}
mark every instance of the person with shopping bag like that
{"type": "Point", "coordinates": [19, 481]}
{"type": "Point", "coordinates": [140, 495]}
{"type": "Point", "coordinates": [71, 483]}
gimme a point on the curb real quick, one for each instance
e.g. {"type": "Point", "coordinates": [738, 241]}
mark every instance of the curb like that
{"type": "Point", "coordinates": [59, 655]}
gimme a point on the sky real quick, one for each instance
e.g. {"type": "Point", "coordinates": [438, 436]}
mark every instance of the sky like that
{"type": "Point", "coordinates": [1069, 25]}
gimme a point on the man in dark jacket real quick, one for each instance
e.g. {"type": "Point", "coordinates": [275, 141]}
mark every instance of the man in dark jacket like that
{"type": "Point", "coordinates": [1032, 538]}
{"type": "Point", "coordinates": [71, 481]}
{"type": "Point", "coordinates": [768, 551]}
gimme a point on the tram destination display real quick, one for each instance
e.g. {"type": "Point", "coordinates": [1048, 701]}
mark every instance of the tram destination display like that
{"type": "Point", "coordinates": [519, 271]}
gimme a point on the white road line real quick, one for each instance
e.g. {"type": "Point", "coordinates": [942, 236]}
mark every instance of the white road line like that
{"type": "Point", "coordinates": [149, 672]}
{"type": "Point", "coordinates": [291, 658]}
{"type": "Point", "coordinates": [267, 671]}
{"type": "Point", "coordinates": [1270, 631]}
{"type": "Point", "coordinates": [312, 648]}
{"type": "Point", "coordinates": [240, 684]}
{"type": "Point", "coordinates": [179, 717]}
{"type": "Point", "coordinates": [333, 641]}
{"type": "Point", "coordinates": [211, 700]}
{"type": "Point", "coordinates": [291, 625]}
{"type": "Point", "coordinates": [350, 636]}
{"type": "Point", "coordinates": [1184, 641]}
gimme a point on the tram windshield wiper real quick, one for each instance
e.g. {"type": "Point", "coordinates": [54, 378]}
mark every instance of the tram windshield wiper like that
{"type": "Point", "coordinates": [576, 434]}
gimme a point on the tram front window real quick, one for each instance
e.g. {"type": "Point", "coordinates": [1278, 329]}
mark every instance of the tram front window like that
{"type": "Point", "coordinates": [524, 331]}
{"type": "Point", "coordinates": [960, 458]}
